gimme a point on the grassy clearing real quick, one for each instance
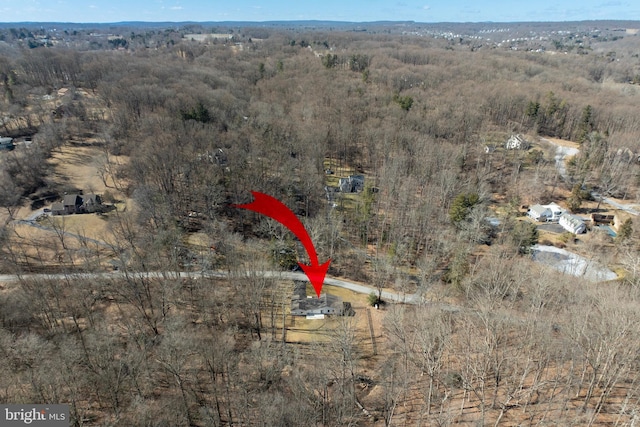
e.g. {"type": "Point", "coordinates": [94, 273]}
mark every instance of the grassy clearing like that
{"type": "Point", "coordinates": [302, 330]}
{"type": "Point", "coordinates": [92, 226]}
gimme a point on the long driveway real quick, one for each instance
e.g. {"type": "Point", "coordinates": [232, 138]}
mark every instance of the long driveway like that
{"type": "Point", "coordinates": [562, 152]}
{"type": "Point", "coordinates": [32, 220]}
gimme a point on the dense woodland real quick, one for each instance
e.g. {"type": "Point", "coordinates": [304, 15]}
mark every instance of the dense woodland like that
{"type": "Point", "coordinates": [499, 340]}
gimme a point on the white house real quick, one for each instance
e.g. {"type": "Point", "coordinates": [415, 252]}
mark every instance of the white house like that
{"type": "Point", "coordinates": [550, 212]}
{"type": "Point", "coordinates": [539, 213]}
{"type": "Point", "coordinates": [572, 223]}
{"type": "Point", "coordinates": [516, 142]}
{"type": "Point", "coordinates": [556, 211]}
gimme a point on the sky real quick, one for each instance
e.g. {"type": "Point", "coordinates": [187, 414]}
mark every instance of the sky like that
{"type": "Point", "coordinates": [94, 11]}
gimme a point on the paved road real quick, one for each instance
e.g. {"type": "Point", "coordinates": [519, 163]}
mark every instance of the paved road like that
{"type": "Point", "coordinates": [355, 287]}
{"type": "Point", "coordinates": [615, 204]}
{"type": "Point", "coordinates": [340, 283]}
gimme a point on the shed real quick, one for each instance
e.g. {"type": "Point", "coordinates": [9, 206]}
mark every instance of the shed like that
{"type": "Point", "coordinates": [6, 143]}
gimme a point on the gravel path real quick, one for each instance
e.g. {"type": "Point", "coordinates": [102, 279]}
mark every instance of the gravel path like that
{"type": "Point", "coordinates": [562, 152]}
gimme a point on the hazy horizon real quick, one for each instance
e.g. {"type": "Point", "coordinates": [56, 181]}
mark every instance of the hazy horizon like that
{"type": "Point", "coordinates": [76, 11]}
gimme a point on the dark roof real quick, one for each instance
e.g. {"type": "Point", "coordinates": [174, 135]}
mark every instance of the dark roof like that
{"type": "Point", "coordinates": [300, 301]}
{"type": "Point", "coordinates": [90, 199]}
{"type": "Point", "coordinates": [71, 200]}
{"type": "Point", "coordinates": [299, 290]}
{"type": "Point", "coordinates": [313, 303]}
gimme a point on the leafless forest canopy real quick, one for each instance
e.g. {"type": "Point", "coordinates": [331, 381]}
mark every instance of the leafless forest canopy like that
{"type": "Point", "coordinates": [183, 121]}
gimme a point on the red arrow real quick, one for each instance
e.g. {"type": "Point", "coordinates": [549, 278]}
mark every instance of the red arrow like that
{"type": "Point", "coordinates": [274, 208]}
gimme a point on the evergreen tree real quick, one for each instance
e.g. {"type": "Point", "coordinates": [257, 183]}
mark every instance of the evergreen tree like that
{"type": "Point", "coordinates": [523, 236]}
{"type": "Point", "coordinates": [461, 206]}
{"type": "Point", "coordinates": [575, 200]}
{"type": "Point", "coordinates": [586, 124]}
{"type": "Point", "coordinates": [625, 231]}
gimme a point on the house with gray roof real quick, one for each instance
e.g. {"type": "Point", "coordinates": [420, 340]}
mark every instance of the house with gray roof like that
{"type": "Point", "coordinates": [572, 223]}
{"type": "Point", "coordinates": [351, 184]}
{"type": "Point", "coordinates": [307, 305]}
{"type": "Point", "coordinates": [91, 203]}
{"type": "Point", "coordinates": [72, 203]}
{"type": "Point", "coordinates": [77, 204]}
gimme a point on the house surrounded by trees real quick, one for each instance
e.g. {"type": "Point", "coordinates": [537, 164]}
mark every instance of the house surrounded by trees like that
{"type": "Point", "coordinates": [77, 204]}
{"type": "Point", "coordinates": [303, 305]}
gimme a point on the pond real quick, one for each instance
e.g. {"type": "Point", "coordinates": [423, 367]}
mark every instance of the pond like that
{"type": "Point", "coordinates": [570, 263]}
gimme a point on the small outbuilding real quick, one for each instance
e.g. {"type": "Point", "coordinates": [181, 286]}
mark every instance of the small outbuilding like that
{"type": "Point", "coordinates": [57, 208]}
{"type": "Point", "coordinates": [6, 143]}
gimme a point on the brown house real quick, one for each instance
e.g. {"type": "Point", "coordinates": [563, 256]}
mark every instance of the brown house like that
{"type": "Point", "coordinates": [91, 203]}
{"type": "Point", "coordinates": [77, 204]}
{"type": "Point", "coordinates": [72, 203]}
